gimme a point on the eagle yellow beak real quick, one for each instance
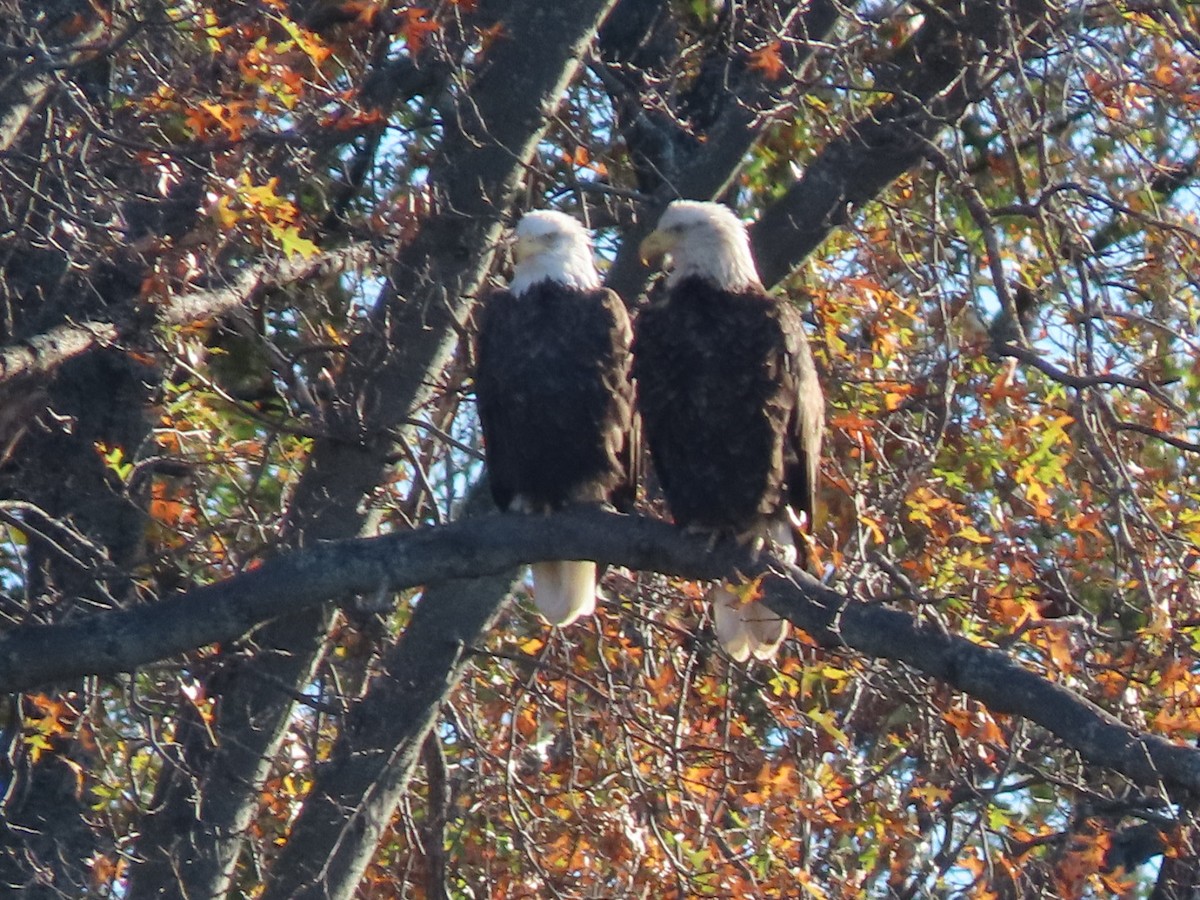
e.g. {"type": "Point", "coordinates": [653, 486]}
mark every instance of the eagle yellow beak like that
{"type": "Point", "coordinates": [523, 248]}
{"type": "Point", "coordinates": [656, 246]}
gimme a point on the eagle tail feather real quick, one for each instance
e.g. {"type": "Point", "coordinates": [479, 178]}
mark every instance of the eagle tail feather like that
{"type": "Point", "coordinates": [564, 590]}
{"type": "Point", "coordinates": [732, 633]}
{"type": "Point", "coordinates": [745, 629]}
{"type": "Point", "coordinates": [766, 628]}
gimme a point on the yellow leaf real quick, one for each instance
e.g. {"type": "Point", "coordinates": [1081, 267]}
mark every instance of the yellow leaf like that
{"type": "Point", "coordinates": [293, 243]}
{"type": "Point", "coordinates": [873, 527]}
{"type": "Point", "coordinates": [971, 533]}
{"type": "Point", "coordinates": [532, 646]}
{"type": "Point", "coordinates": [306, 41]}
{"type": "Point", "coordinates": [834, 674]}
{"type": "Point", "coordinates": [824, 718]}
{"type": "Point", "coordinates": [224, 214]}
{"type": "Point", "coordinates": [931, 793]}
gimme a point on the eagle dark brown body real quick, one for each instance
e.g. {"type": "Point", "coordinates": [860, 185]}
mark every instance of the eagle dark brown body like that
{"type": "Point", "coordinates": [731, 406]}
{"type": "Point", "coordinates": [555, 399]}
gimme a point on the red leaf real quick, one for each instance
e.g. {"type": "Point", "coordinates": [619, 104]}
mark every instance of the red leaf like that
{"type": "Point", "coordinates": [768, 61]}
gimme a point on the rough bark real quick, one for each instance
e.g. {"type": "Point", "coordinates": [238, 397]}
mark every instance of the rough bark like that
{"type": "Point", "coordinates": [39, 355]}
{"type": "Point", "coordinates": [46, 835]}
{"type": "Point", "coordinates": [30, 78]}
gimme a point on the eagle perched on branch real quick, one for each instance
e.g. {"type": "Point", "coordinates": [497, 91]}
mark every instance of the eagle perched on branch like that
{"type": "Point", "coordinates": [555, 400]}
{"type": "Point", "coordinates": [730, 403]}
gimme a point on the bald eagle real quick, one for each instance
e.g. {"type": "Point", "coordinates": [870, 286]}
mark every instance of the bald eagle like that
{"type": "Point", "coordinates": [555, 399]}
{"type": "Point", "coordinates": [730, 403]}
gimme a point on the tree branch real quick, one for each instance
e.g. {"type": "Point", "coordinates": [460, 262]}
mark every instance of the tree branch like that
{"type": "Point", "coordinates": [45, 352]}
{"type": "Point", "coordinates": [41, 69]}
{"type": "Point", "coordinates": [493, 545]}
{"type": "Point", "coordinates": [938, 78]}
{"type": "Point", "coordinates": [1082, 382]}
{"type": "Point", "coordinates": [355, 794]}
{"type": "Point", "coordinates": [711, 165]}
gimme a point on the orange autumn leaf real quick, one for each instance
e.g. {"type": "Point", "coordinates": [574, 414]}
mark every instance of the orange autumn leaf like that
{"type": "Point", "coordinates": [416, 28]}
{"type": "Point", "coordinates": [768, 61]}
{"type": "Point", "coordinates": [488, 36]}
{"type": "Point", "coordinates": [167, 507]}
{"type": "Point", "coordinates": [958, 719]}
{"type": "Point", "coordinates": [365, 12]}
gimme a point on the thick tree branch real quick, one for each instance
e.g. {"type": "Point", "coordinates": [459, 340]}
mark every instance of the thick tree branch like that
{"type": "Point", "coordinates": [355, 795]}
{"type": "Point", "coordinates": [711, 165]}
{"type": "Point", "coordinates": [41, 70]}
{"type": "Point", "coordinates": [286, 585]}
{"type": "Point", "coordinates": [45, 352]}
{"type": "Point", "coordinates": [356, 792]}
{"type": "Point", "coordinates": [493, 545]}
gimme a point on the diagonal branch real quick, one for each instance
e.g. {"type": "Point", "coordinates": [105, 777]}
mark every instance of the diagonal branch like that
{"type": "Point", "coordinates": [711, 165]}
{"type": "Point", "coordinates": [22, 96]}
{"type": "Point", "coordinates": [355, 795]}
{"type": "Point", "coordinates": [493, 545]}
{"type": "Point", "coordinates": [1081, 382]}
{"type": "Point", "coordinates": [944, 68]}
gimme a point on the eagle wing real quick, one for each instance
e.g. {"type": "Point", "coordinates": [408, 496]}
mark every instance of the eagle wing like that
{"type": "Point", "coordinates": [806, 421]}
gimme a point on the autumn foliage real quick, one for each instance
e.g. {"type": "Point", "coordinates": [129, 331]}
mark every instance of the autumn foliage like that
{"type": "Point", "coordinates": [240, 245]}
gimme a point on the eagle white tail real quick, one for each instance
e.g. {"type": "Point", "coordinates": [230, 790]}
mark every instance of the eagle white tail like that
{"type": "Point", "coordinates": [564, 590]}
{"type": "Point", "coordinates": [732, 633]}
{"type": "Point", "coordinates": [767, 629]}
{"type": "Point", "coordinates": [745, 630]}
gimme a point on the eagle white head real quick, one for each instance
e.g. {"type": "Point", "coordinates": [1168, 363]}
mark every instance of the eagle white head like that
{"type": "Point", "coordinates": [705, 240]}
{"type": "Point", "coordinates": [552, 246]}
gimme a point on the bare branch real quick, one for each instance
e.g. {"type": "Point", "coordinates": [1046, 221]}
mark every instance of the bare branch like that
{"type": "Point", "coordinates": [1177, 442]}
{"type": "Point", "coordinates": [24, 95]}
{"type": "Point", "coordinates": [712, 165]}
{"type": "Point", "coordinates": [45, 352]}
{"type": "Point", "coordinates": [1079, 382]}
